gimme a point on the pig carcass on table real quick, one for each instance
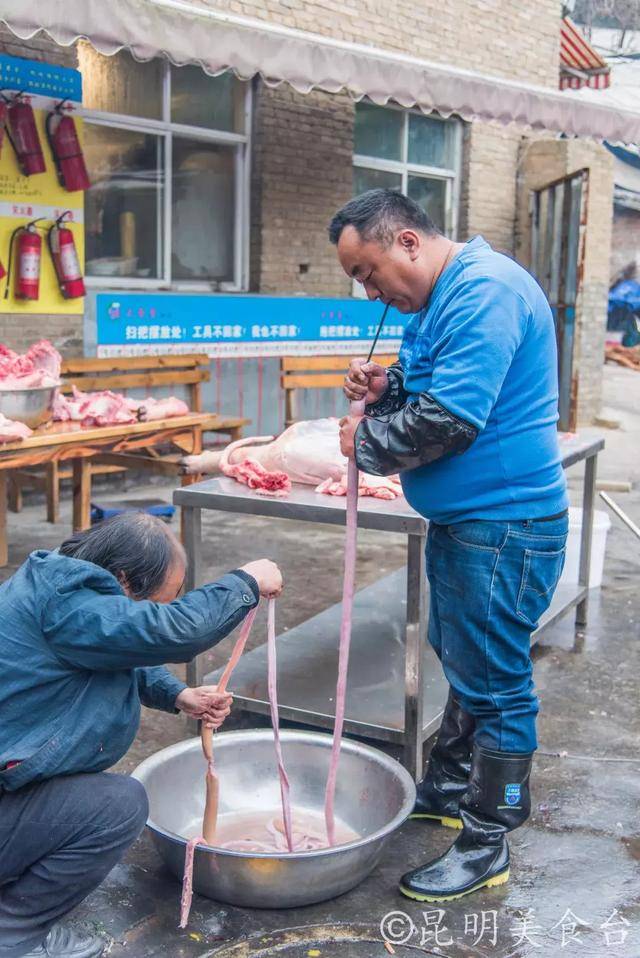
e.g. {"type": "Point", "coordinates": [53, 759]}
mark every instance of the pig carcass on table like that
{"type": "Point", "coordinates": [306, 452]}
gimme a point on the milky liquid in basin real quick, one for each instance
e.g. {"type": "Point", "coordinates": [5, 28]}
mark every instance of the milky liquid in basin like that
{"type": "Point", "coordinates": [263, 832]}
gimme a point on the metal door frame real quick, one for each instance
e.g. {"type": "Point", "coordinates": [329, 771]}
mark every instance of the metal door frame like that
{"type": "Point", "coordinates": [558, 230]}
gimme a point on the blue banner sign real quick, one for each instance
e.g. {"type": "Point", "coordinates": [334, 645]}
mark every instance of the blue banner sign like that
{"type": "Point", "coordinates": [40, 79]}
{"type": "Point", "coordinates": [133, 324]}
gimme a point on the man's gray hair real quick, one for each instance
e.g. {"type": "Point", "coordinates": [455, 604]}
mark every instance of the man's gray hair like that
{"type": "Point", "coordinates": [378, 214]}
{"type": "Point", "coordinates": [135, 547]}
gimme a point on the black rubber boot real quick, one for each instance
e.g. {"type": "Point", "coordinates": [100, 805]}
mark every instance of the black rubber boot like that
{"type": "Point", "coordinates": [496, 801]}
{"type": "Point", "coordinates": [447, 776]}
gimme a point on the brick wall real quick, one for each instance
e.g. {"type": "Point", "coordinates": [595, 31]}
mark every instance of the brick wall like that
{"type": "Point", "coordinates": [542, 161]}
{"type": "Point", "coordinates": [19, 330]}
{"type": "Point", "coordinates": [488, 200]}
{"type": "Point", "coordinates": [515, 40]}
{"type": "Point", "coordinates": [65, 332]}
{"type": "Point", "coordinates": [592, 309]}
{"type": "Point", "coordinates": [302, 173]}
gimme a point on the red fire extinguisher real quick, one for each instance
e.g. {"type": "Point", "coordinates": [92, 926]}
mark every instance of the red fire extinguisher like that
{"type": "Point", "coordinates": [65, 259]}
{"type": "Point", "coordinates": [23, 135]}
{"type": "Point", "coordinates": [25, 253]}
{"type": "Point", "coordinates": [66, 149]}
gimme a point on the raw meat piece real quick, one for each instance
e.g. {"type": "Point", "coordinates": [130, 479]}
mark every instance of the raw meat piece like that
{"type": "Point", "coordinates": [45, 357]}
{"type": "Point", "coordinates": [36, 379]}
{"type": "Point", "coordinates": [379, 487]}
{"type": "Point", "coordinates": [251, 473]}
{"type": "Point", "coordinates": [38, 368]}
{"type": "Point", "coordinates": [22, 366]}
{"type": "Point", "coordinates": [348, 589]}
{"type": "Point", "coordinates": [66, 408]}
{"type": "Point", "coordinates": [22, 374]}
{"type": "Point", "coordinates": [11, 430]}
{"type": "Point", "coordinates": [107, 408]}
{"type": "Point", "coordinates": [93, 409]}
{"type": "Point", "coordinates": [151, 409]}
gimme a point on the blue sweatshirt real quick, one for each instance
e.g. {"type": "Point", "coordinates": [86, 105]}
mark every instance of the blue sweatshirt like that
{"type": "Point", "coordinates": [77, 657]}
{"type": "Point", "coordinates": [484, 347]}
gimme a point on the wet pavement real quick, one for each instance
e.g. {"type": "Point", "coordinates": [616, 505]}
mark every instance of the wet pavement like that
{"type": "Point", "coordinates": [575, 876]}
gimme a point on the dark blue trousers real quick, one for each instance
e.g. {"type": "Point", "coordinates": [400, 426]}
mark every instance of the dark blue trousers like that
{"type": "Point", "coordinates": [490, 582]}
{"type": "Point", "coordinates": [58, 840]}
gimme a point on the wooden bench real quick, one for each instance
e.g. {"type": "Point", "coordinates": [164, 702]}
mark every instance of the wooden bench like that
{"type": "Point", "coordinates": [121, 374]}
{"type": "Point", "coordinates": [314, 372]}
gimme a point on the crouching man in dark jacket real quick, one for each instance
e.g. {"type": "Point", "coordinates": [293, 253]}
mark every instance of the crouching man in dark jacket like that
{"type": "Point", "coordinates": [467, 417]}
{"type": "Point", "coordinates": [84, 633]}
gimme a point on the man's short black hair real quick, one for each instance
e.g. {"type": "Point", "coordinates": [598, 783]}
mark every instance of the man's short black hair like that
{"type": "Point", "coordinates": [138, 549]}
{"type": "Point", "coordinates": [378, 214]}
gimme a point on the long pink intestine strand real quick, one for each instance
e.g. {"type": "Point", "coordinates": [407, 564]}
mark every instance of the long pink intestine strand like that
{"type": "Point", "coordinates": [348, 589]}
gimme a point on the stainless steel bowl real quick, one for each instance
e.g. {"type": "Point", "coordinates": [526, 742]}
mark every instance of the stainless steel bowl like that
{"type": "Point", "coordinates": [375, 795]}
{"type": "Point", "coordinates": [33, 407]}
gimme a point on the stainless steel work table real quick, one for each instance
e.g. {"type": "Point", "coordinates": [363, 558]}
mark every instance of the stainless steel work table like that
{"type": "Point", "coordinates": [396, 688]}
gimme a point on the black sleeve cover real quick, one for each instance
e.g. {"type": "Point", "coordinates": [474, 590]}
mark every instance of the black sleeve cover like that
{"type": "Point", "coordinates": [395, 396]}
{"type": "Point", "coordinates": [416, 434]}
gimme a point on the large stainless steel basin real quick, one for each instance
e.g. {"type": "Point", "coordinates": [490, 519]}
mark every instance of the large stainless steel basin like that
{"type": "Point", "coordinates": [33, 407]}
{"type": "Point", "coordinates": [374, 796]}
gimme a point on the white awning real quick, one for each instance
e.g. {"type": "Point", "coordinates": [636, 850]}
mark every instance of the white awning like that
{"type": "Point", "coordinates": [186, 33]}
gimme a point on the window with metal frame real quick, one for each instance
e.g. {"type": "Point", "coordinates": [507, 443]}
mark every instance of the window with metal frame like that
{"type": "Point", "coordinates": [168, 155]}
{"type": "Point", "coordinates": [412, 152]}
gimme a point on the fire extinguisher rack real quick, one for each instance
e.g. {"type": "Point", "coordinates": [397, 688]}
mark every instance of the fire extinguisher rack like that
{"type": "Point", "coordinates": [18, 121]}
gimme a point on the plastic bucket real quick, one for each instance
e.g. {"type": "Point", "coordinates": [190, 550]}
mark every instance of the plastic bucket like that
{"type": "Point", "coordinates": [601, 526]}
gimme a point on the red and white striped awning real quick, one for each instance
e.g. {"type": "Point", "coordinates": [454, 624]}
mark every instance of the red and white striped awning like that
{"type": "Point", "coordinates": [580, 64]}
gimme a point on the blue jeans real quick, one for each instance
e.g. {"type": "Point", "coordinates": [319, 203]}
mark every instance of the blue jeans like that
{"type": "Point", "coordinates": [490, 583]}
{"type": "Point", "coordinates": [58, 840]}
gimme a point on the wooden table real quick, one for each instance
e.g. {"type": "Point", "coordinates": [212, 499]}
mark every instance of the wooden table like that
{"type": "Point", "coordinates": [61, 441]}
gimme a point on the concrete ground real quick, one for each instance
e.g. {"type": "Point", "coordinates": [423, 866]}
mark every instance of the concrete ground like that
{"type": "Point", "coordinates": [575, 876]}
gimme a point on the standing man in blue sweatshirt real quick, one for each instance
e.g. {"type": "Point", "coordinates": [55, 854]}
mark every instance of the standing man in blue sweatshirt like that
{"type": "Point", "coordinates": [468, 418]}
